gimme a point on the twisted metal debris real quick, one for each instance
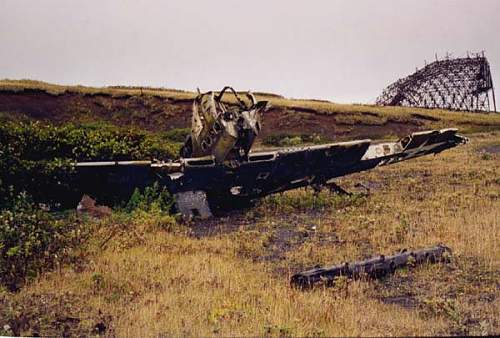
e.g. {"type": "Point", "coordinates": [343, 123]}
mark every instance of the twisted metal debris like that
{"type": "Point", "coordinates": [457, 84]}
{"type": "Point", "coordinates": [218, 171]}
{"type": "Point", "coordinates": [374, 267]}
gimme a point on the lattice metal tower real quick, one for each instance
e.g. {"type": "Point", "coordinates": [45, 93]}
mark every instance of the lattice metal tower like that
{"type": "Point", "coordinates": [458, 84]}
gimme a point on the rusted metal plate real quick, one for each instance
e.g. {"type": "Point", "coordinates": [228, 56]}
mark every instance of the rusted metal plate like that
{"type": "Point", "coordinates": [193, 204]}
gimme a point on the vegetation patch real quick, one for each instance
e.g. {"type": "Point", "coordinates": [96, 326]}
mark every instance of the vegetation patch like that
{"type": "Point", "coordinates": [37, 157]}
{"type": "Point", "coordinates": [304, 200]}
{"type": "Point", "coordinates": [287, 140]}
{"type": "Point", "coordinates": [33, 240]}
{"type": "Point", "coordinates": [138, 271]}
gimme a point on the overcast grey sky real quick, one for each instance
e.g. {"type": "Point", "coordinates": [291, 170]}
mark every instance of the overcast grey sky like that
{"type": "Point", "coordinates": [344, 51]}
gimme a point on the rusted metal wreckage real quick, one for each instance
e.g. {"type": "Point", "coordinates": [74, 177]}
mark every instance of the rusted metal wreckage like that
{"type": "Point", "coordinates": [452, 83]}
{"type": "Point", "coordinates": [217, 169]}
{"type": "Point", "coordinates": [373, 267]}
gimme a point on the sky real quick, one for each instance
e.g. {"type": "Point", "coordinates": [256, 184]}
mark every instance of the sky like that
{"type": "Point", "coordinates": [343, 51]}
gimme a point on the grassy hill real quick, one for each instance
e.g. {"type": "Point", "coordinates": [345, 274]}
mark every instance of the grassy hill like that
{"type": "Point", "coordinates": [136, 270]}
{"type": "Point", "coordinates": [158, 109]}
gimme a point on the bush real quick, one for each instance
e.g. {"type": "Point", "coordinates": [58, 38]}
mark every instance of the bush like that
{"type": "Point", "coordinates": [32, 240]}
{"type": "Point", "coordinates": [153, 197]}
{"type": "Point", "coordinates": [306, 200]}
{"type": "Point", "coordinates": [287, 140]}
{"type": "Point", "coordinates": [37, 157]}
{"type": "Point", "coordinates": [177, 135]}
{"type": "Point", "coordinates": [152, 207]}
{"type": "Point", "coordinates": [87, 142]}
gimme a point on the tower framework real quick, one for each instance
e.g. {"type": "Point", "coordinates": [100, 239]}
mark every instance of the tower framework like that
{"type": "Point", "coordinates": [457, 84]}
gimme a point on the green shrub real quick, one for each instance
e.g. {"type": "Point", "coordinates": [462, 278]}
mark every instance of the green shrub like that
{"type": "Point", "coordinates": [86, 142]}
{"type": "Point", "coordinates": [32, 240]}
{"type": "Point", "coordinates": [152, 208]}
{"type": "Point", "coordinates": [288, 140]}
{"type": "Point", "coordinates": [37, 157]}
{"type": "Point", "coordinates": [153, 197]}
{"type": "Point", "coordinates": [306, 200]}
{"type": "Point", "coordinates": [177, 135]}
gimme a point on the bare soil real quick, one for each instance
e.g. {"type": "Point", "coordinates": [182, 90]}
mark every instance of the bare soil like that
{"type": "Point", "coordinates": [157, 113]}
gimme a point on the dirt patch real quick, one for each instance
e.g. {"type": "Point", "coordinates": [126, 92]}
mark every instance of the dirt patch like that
{"type": "Point", "coordinates": [370, 113]}
{"type": "Point", "coordinates": [425, 117]}
{"type": "Point", "coordinates": [146, 112]}
{"type": "Point", "coordinates": [283, 235]}
{"type": "Point", "coordinates": [326, 125]}
{"type": "Point", "coordinates": [229, 222]}
{"type": "Point", "coordinates": [405, 301]}
{"type": "Point", "coordinates": [52, 314]}
{"type": "Point", "coordinates": [157, 113]}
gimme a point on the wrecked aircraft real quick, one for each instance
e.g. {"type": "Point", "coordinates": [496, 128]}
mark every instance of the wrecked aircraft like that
{"type": "Point", "coordinates": [217, 169]}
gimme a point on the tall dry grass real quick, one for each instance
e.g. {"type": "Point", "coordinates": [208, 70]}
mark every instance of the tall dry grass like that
{"type": "Point", "coordinates": [235, 281]}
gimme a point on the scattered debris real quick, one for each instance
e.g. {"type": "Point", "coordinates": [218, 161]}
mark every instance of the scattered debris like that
{"type": "Point", "coordinates": [88, 206]}
{"type": "Point", "coordinates": [100, 328]}
{"type": "Point", "coordinates": [373, 267]}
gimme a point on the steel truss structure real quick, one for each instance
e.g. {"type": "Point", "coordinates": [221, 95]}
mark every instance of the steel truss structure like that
{"type": "Point", "coordinates": [457, 84]}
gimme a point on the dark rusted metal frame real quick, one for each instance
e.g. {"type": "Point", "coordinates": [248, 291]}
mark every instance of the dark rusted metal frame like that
{"type": "Point", "coordinates": [373, 267]}
{"type": "Point", "coordinates": [451, 83]}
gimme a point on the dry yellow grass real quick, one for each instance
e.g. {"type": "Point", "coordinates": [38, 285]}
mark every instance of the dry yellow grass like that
{"type": "Point", "coordinates": [54, 89]}
{"type": "Point", "coordinates": [232, 279]}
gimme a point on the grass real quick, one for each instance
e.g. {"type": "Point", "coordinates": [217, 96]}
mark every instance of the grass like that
{"type": "Point", "coordinates": [115, 91]}
{"type": "Point", "coordinates": [145, 274]}
{"type": "Point", "coordinates": [230, 276]}
{"type": "Point", "coordinates": [379, 115]}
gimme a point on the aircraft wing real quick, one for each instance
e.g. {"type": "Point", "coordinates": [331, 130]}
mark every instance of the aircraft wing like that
{"type": "Point", "coordinates": [284, 169]}
{"type": "Point", "coordinates": [201, 184]}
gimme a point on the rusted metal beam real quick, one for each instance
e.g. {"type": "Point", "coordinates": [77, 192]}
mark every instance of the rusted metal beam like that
{"type": "Point", "coordinates": [457, 84]}
{"type": "Point", "coordinates": [373, 267]}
